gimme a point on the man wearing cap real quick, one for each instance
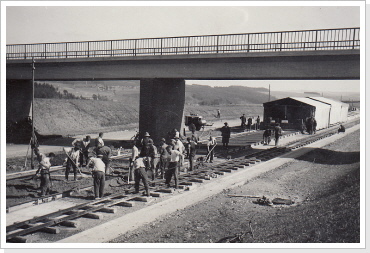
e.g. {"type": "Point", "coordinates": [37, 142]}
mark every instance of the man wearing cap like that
{"type": "Point", "coordinates": [225, 133]}
{"type": "Point", "coordinates": [140, 174]}
{"type": "Point", "coordinates": [106, 153]}
{"type": "Point", "coordinates": [146, 150]}
{"type": "Point", "coordinates": [98, 173]}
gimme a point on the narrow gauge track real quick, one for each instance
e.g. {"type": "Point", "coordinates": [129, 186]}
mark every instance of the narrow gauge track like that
{"type": "Point", "coordinates": [18, 232]}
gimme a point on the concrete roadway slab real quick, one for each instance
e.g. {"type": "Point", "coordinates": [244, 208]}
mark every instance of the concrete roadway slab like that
{"type": "Point", "coordinates": [34, 211]}
{"type": "Point", "coordinates": [124, 224]}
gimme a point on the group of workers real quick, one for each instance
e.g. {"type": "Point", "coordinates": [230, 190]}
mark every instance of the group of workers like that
{"type": "Point", "coordinates": [249, 125]}
{"type": "Point", "coordinates": [276, 130]}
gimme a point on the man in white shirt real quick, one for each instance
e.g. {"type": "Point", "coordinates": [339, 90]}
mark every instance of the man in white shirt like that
{"type": "Point", "coordinates": [140, 173]}
{"type": "Point", "coordinates": [98, 173]}
{"type": "Point", "coordinates": [73, 159]}
{"type": "Point", "coordinates": [173, 167]}
{"type": "Point", "coordinates": [211, 144]}
{"type": "Point", "coordinates": [179, 146]}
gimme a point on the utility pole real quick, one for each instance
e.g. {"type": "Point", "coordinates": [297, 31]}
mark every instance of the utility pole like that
{"type": "Point", "coordinates": [269, 93]}
{"type": "Point", "coordinates": [33, 143]}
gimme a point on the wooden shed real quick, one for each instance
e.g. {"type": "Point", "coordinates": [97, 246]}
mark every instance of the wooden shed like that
{"type": "Point", "coordinates": [338, 110]}
{"type": "Point", "coordinates": [291, 112]}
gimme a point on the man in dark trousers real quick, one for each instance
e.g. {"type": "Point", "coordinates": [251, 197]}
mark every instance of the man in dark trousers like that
{"type": "Point", "coordinates": [98, 173]}
{"type": "Point", "coordinates": [140, 174]}
{"type": "Point", "coordinates": [106, 153]}
{"type": "Point", "coordinates": [225, 133]}
{"type": "Point", "coordinates": [190, 149]}
{"type": "Point", "coordinates": [244, 120]}
{"type": "Point", "coordinates": [278, 133]}
{"type": "Point", "coordinates": [44, 170]}
{"type": "Point", "coordinates": [163, 157]}
{"type": "Point", "coordinates": [258, 122]}
{"type": "Point", "coordinates": [249, 124]}
{"type": "Point", "coordinates": [173, 167]}
{"type": "Point", "coordinates": [267, 136]}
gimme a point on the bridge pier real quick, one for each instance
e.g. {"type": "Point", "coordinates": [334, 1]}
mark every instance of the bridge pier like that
{"type": "Point", "coordinates": [162, 103]}
{"type": "Point", "coordinates": [19, 99]}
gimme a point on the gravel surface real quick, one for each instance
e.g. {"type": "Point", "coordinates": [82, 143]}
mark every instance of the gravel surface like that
{"type": "Point", "coordinates": [323, 184]}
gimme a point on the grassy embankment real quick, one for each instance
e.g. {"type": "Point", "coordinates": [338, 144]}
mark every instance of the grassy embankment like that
{"type": "Point", "coordinates": [70, 117]}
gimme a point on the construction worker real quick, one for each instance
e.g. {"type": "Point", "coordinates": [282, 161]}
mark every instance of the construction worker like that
{"type": "Point", "coordinates": [73, 161]}
{"type": "Point", "coordinates": [163, 157]}
{"type": "Point", "coordinates": [191, 150]}
{"type": "Point", "coordinates": [243, 121]}
{"type": "Point", "coordinates": [258, 122]}
{"type": "Point", "coordinates": [225, 133]}
{"type": "Point", "coordinates": [173, 166]}
{"type": "Point", "coordinates": [140, 174]}
{"type": "Point", "coordinates": [179, 146]}
{"type": "Point", "coordinates": [211, 144]}
{"type": "Point", "coordinates": [99, 142]}
{"type": "Point", "coordinates": [145, 152]}
{"type": "Point", "coordinates": [278, 133]}
{"type": "Point", "coordinates": [98, 173]}
{"type": "Point", "coordinates": [106, 153]}
{"type": "Point", "coordinates": [83, 145]}
{"type": "Point", "coordinates": [341, 129]}
{"type": "Point", "coordinates": [44, 170]}
{"type": "Point", "coordinates": [267, 136]}
{"type": "Point", "coordinates": [134, 154]}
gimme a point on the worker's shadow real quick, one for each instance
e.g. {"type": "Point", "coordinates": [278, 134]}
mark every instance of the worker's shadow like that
{"type": "Point", "coordinates": [325, 156]}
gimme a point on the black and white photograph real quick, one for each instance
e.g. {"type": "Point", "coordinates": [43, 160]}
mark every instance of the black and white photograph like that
{"type": "Point", "coordinates": [188, 124]}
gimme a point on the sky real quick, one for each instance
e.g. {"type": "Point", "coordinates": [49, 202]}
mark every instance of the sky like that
{"type": "Point", "coordinates": [48, 23]}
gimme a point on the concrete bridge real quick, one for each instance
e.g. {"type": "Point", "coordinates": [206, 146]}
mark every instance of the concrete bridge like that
{"type": "Point", "coordinates": [163, 64]}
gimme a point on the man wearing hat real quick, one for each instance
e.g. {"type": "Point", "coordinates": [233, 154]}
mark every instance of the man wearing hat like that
{"type": "Point", "coordinates": [98, 173]}
{"type": "Point", "coordinates": [225, 133]}
{"type": "Point", "coordinates": [179, 146]}
{"type": "Point", "coordinates": [105, 153]}
{"type": "Point", "coordinates": [163, 157]}
{"type": "Point", "coordinates": [145, 152]}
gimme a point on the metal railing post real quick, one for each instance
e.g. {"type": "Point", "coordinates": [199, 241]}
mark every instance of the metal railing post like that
{"type": "Point", "coordinates": [217, 44]}
{"type": "Point", "coordinates": [281, 41]}
{"type": "Point", "coordinates": [88, 49]}
{"type": "Point", "coordinates": [316, 41]}
{"type": "Point", "coordinates": [25, 51]}
{"type": "Point", "coordinates": [135, 48]}
{"type": "Point", "coordinates": [161, 46]}
{"type": "Point", "coordinates": [188, 45]}
{"type": "Point", "coordinates": [45, 50]}
{"type": "Point", "coordinates": [354, 37]}
{"type": "Point", "coordinates": [248, 44]}
{"type": "Point", "coordinates": [66, 50]}
{"type": "Point", "coordinates": [111, 48]}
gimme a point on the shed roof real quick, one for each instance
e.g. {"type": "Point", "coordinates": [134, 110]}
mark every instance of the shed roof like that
{"type": "Point", "coordinates": [312, 102]}
{"type": "Point", "coordinates": [329, 101]}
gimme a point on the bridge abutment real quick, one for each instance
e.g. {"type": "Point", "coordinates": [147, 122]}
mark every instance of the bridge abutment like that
{"type": "Point", "coordinates": [162, 103]}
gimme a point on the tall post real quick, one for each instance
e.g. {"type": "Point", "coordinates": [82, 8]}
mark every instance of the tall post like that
{"type": "Point", "coordinates": [269, 93]}
{"type": "Point", "coordinates": [33, 121]}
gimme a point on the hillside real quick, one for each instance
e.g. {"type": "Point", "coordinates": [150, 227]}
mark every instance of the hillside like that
{"type": "Point", "coordinates": [70, 117]}
{"type": "Point", "coordinates": [129, 92]}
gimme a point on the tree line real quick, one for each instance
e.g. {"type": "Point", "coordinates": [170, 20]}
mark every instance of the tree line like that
{"type": "Point", "coordinates": [46, 90]}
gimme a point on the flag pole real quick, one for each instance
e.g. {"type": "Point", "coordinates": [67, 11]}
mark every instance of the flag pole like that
{"type": "Point", "coordinates": [32, 113]}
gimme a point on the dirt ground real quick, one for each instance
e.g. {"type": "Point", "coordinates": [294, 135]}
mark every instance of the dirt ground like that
{"type": "Point", "coordinates": [324, 185]}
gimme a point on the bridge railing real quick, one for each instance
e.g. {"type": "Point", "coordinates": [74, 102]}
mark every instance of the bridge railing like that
{"type": "Point", "coordinates": [305, 40]}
